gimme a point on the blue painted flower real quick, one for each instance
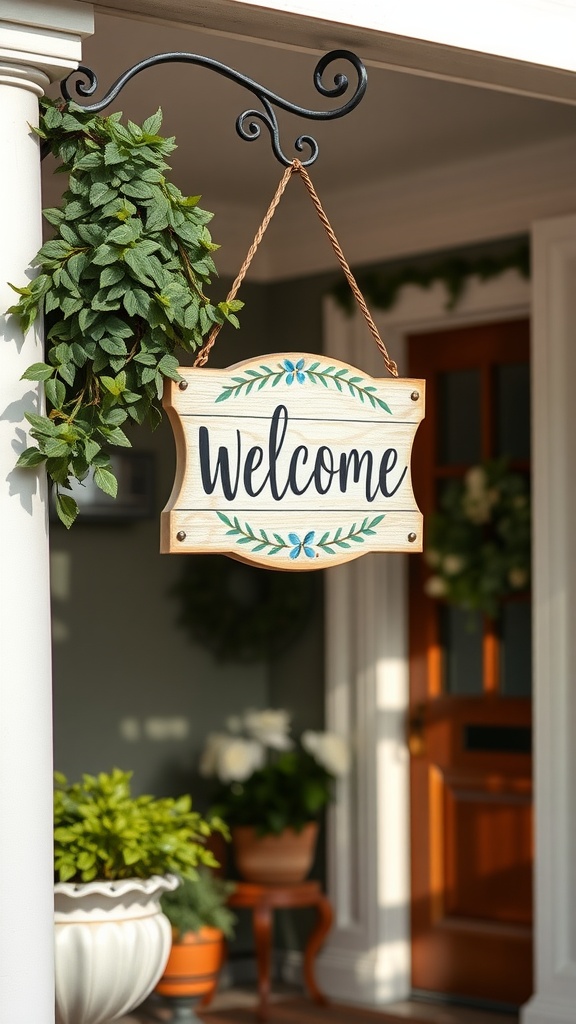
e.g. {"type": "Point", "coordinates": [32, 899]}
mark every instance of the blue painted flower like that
{"type": "Point", "coordinates": [294, 371]}
{"type": "Point", "coordinates": [302, 545]}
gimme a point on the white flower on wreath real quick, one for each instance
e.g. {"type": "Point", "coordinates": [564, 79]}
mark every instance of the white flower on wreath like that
{"type": "Point", "coordinates": [477, 501]}
{"type": "Point", "coordinates": [329, 750]}
{"type": "Point", "coordinates": [453, 564]}
{"type": "Point", "coordinates": [478, 506]}
{"type": "Point", "coordinates": [433, 558]}
{"type": "Point", "coordinates": [475, 481]}
{"type": "Point", "coordinates": [270, 727]}
{"type": "Point", "coordinates": [435, 586]}
{"type": "Point", "coordinates": [518, 578]}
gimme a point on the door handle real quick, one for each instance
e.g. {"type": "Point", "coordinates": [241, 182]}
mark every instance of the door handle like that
{"type": "Point", "coordinates": [416, 732]}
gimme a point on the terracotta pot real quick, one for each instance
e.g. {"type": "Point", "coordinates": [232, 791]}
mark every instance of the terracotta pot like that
{"type": "Point", "coordinates": [193, 965]}
{"type": "Point", "coordinates": [271, 859]}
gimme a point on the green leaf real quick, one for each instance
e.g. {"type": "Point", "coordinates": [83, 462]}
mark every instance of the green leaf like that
{"type": "Point", "coordinates": [124, 234]}
{"type": "Point", "coordinates": [139, 265]}
{"type": "Point", "coordinates": [68, 372]}
{"type": "Point", "coordinates": [153, 123]}
{"type": "Point", "coordinates": [31, 457]}
{"type": "Point", "coordinates": [52, 117]}
{"type": "Point", "coordinates": [55, 392]}
{"type": "Point", "coordinates": [114, 346]}
{"type": "Point", "coordinates": [168, 366]}
{"type": "Point", "coordinates": [139, 190]}
{"type": "Point", "coordinates": [53, 216]}
{"type": "Point", "coordinates": [136, 302]}
{"type": "Point", "coordinates": [41, 424]}
{"type": "Point", "coordinates": [89, 162]}
{"type": "Point", "coordinates": [118, 438]}
{"type": "Point", "coordinates": [54, 250]}
{"type": "Point", "coordinates": [55, 448]}
{"type": "Point", "coordinates": [38, 371]}
{"type": "Point", "coordinates": [75, 210]}
{"type": "Point", "coordinates": [106, 481]}
{"type": "Point", "coordinates": [116, 416]}
{"type": "Point", "coordinates": [104, 255]}
{"type": "Point", "coordinates": [100, 193]}
{"type": "Point", "coordinates": [66, 508]}
{"type": "Point", "coordinates": [113, 155]}
{"type": "Point", "coordinates": [76, 265]}
{"type": "Point", "coordinates": [111, 275]}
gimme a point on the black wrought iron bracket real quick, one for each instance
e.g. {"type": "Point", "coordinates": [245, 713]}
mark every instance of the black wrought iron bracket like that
{"type": "Point", "coordinates": [247, 124]}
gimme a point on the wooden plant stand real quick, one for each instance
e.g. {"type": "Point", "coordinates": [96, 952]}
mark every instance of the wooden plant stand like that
{"type": "Point", "coordinates": [263, 900]}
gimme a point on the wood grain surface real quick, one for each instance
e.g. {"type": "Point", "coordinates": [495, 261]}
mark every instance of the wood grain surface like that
{"type": "Point", "coordinates": [292, 461]}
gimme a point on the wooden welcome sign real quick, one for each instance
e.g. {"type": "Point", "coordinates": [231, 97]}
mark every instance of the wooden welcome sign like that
{"type": "Point", "coordinates": [292, 461]}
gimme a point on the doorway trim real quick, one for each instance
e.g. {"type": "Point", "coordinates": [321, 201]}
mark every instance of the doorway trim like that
{"type": "Point", "coordinates": [367, 958]}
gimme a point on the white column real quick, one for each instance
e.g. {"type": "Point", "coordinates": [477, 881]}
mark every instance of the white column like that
{"type": "Point", "coordinates": [367, 955]}
{"type": "Point", "coordinates": [38, 43]}
{"type": "Point", "coordinates": [554, 490]}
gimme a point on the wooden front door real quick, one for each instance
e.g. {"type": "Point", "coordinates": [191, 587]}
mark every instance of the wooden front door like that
{"type": "Point", "coordinates": [470, 714]}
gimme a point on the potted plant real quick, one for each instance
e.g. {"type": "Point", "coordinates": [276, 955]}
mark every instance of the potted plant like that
{"type": "Point", "coordinates": [200, 921]}
{"type": "Point", "coordinates": [114, 856]}
{"type": "Point", "coordinates": [273, 790]}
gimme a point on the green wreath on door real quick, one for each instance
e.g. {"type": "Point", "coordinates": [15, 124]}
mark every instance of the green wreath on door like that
{"type": "Point", "coordinates": [240, 612]}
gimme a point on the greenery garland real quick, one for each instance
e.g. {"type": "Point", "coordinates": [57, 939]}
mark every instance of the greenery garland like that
{"type": "Point", "coordinates": [122, 286]}
{"type": "Point", "coordinates": [478, 543]}
{"type": "Point", "coordinates": [238, 611]}
{"type": "Point", "coordinates": [381, 287]}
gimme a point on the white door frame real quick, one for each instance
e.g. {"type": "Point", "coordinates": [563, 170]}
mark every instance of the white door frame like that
{"type": "Point", "coordinates": [368, 954]}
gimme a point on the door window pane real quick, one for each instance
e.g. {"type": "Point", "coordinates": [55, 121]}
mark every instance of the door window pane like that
{"type": "Point", "coordinates": [513, 411]}
{"type": "Point", "coordinates": [459, 416]}
{"type": "Point", "coordinates": [516, 649]}
{"type": "Point", "coordinates": [461, 637]}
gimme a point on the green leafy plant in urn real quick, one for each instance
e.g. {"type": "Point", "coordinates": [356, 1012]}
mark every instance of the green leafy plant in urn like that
{"type": "Point", "coordinates": [114, 856]}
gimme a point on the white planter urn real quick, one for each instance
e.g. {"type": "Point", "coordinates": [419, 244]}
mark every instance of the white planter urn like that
{"type": "Point", "coordinates": [112, 944]}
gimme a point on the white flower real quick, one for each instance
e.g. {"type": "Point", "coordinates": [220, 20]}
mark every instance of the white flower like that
{"type": "Point", "coordinates": [330, 750]}
{"type": "Point", "coordinates": [270, 727]}
{"type": "Point", "coordinates": [209, 757]}
{"type": "Point", "coordinates": [517, 578]}
{"type": "Point", "coordinates": [475, 480]}
{"type": "Point", "coordinates": [433, 558]}
{"type": "Point", "coordinates": [435, 586]}
{"type": "Point", "coordinates": [237, 759]}
{"type": "Point", "coordinates": [453, 564]}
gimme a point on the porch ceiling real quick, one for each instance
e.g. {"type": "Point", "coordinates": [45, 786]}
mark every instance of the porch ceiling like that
{"type": "Point", "coordinates": [410, 137]}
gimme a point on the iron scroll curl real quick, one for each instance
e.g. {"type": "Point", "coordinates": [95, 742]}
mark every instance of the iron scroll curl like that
{"type": "Point", "coordinates": [250, 122]}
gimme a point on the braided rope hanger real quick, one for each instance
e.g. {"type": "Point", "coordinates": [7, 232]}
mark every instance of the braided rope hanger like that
{"type": "Point", "coordinates": [297, 168]}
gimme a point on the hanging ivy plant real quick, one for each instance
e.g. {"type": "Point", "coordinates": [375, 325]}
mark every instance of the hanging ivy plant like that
{"type": "Point", "coordinates": [122, 287]}
{"type": "Point", "coordinates": [478, 542]}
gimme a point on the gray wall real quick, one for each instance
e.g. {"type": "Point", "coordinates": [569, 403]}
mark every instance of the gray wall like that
{"type": "Point", "coordinates": [120, 661]}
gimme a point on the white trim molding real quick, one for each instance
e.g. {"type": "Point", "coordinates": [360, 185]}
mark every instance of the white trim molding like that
{"type": "Point", "coordinates": [461, 203]}
{"type": "Point", "coordinates": [367, 957]}
{"type": "Point", "coordinates": [527, 45]}
{"type": "Point", "coordinates": [45, 35]}
{"type": "Point", "coordinates": [554, 589]}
